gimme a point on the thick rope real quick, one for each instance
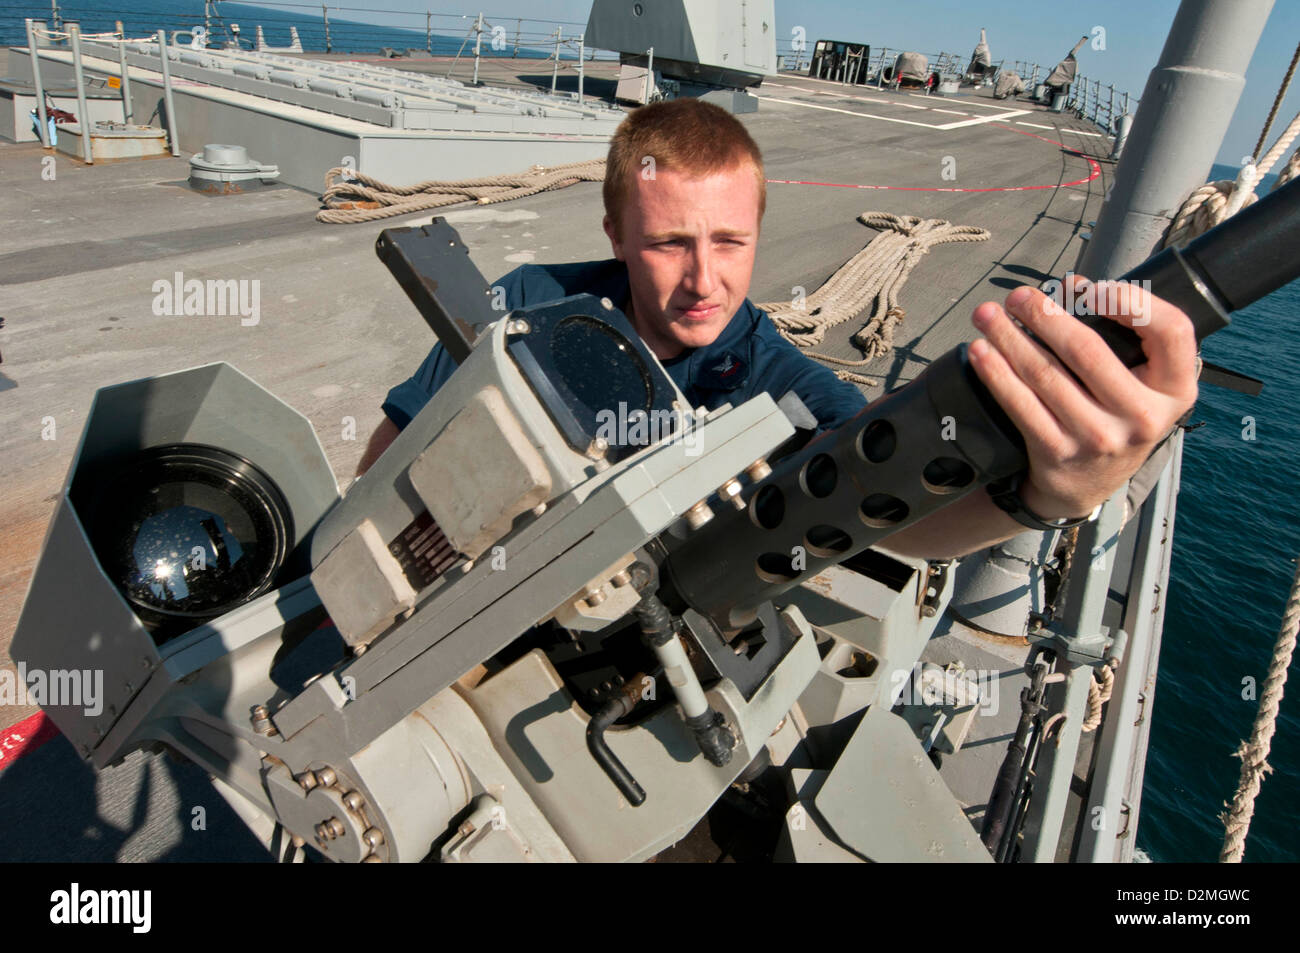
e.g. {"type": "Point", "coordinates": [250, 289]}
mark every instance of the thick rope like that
{"type": "Point", "coordinates": [1099, 692]}
{"type": "Point", "coordinates": [1212, 203]}
{"type": "Point", "coordinates": [1289, 171]}
{"type": "Point", "coordinates": [876, 274]}
{"type": "Point", "coordinates": [1254, 753]}
{"type": "Point", "coordinates": [361, 198]}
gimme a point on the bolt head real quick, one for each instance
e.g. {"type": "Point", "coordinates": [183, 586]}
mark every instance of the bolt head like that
{"type": "Point", "coordinates": [698, 515]}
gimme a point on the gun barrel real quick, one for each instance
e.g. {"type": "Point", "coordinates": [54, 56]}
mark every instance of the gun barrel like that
{"type": "Point", "coordinates": [931, 442]}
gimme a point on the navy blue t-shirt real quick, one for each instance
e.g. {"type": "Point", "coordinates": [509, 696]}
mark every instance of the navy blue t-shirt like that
{"type": "Point", "coordinates": [748, 358]}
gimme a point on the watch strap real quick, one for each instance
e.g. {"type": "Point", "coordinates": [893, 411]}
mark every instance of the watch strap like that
{"type": "Point", "coordinates": [1006, 496]}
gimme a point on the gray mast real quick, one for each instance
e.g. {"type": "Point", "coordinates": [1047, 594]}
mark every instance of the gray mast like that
{"type": "Point", "coordinates": [1186, 106]}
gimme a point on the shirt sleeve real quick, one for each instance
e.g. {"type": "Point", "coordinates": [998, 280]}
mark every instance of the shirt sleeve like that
{"type": "Point", "coordinates": [409, 397]}
{"type": "Point", "coordinates": [782, 367]}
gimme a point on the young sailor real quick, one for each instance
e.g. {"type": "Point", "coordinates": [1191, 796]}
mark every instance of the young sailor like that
{"type": "Point", "coordinates": [684, 196]}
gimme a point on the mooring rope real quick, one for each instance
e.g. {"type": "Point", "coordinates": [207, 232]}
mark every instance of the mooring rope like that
{"type": "Point", "coordinates": [352, 196]}
{"type": "Point", "coordinates": [1254, 753]}
{"type": "Point", "coordinates": [875, 274]}
{"type": "Point", "coordinates": [1099, 692]}
{"type": "Point", "coordinates": [1215, 201]}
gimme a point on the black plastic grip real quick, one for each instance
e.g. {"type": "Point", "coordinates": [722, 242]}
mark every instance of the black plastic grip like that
{"type": "Point", "coordinates": [1232, 265]}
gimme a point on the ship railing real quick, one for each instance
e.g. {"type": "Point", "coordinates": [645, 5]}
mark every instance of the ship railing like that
{"type": "Point", "coordinates": [440, 34]}
{"type": "Point", "coordinates": [1101, 105]}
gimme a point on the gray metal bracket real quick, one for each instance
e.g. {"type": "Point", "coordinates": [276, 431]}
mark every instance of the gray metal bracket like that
{"type": "Point", "coordinates": [1103, 647]}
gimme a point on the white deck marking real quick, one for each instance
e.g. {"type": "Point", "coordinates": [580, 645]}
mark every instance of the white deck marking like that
{"type": "Point", "coordinates": [859, 99]}
{"type": "Point", "coordinates": [1079, 132]}
{"type": "Point", "coordinates": [962, 101]}
{"type": "Point", "coordinates": [814, 79]}
{"type": "Point", "coordinates": [982, 119]}
{"type": "Point", "coordinates": [848, 112]}
{"type": "Point", "coordinates": [1033, 125]}
{"type": "Point", "coordinates": [951, 112]}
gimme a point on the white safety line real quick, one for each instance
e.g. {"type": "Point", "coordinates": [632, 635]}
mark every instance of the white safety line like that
{"type": "Point", "coordinates": [857, 99]}
{"type": "Point", "coordinates": [814, 79]}
{"type": "Point", "coordinates": [960, 101]}
{"type": "Point", "coordinates": [1079, 132]}
{"type": "Point", "coordinates": [1033, 125]}
{"type": "Point", "coordinates": [849, 112]}
{"type": "Point", "coordinates": [951, 112]}
{"type": "Point", "coordinates": [983, 119]}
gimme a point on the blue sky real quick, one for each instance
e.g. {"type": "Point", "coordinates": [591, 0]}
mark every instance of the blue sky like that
{"type": "Point", "coordinates": [1135, 32]}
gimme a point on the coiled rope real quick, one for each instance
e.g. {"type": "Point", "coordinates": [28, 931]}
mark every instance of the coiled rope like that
{"type": "Point", "coordinates": [1254, 753]}
{"type": "Point", "coordinates": [1212, 203]}
{"type": "Point", "coordinates": [1099, 692]}
{"type": "Point", "coordinates": [352, 196]}
{"type": "Point", "coordinates": [876, 274]}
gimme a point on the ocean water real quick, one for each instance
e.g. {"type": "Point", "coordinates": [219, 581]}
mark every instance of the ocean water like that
{"type": "Point", "coordinates": [449, 30]}
{"type": "Point", "coordinates": [1236, 533]}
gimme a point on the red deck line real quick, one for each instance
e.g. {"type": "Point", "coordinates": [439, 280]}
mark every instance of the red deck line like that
{"type": "Point", "coordinates": [1093, 164]}
{"type": "Point", "coordinates": [25, 737]}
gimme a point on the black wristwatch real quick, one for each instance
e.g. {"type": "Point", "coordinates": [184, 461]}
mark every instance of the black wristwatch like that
{"type": "Point", "coordinates": [1006, 496]}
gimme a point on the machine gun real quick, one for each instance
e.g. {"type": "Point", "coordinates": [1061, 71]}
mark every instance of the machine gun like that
{"type": "Point", "coordinates": [554, 599]}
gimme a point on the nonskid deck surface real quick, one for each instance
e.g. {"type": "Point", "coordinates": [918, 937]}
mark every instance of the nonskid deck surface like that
{"type": "Point", "coordinates": [96, 246]}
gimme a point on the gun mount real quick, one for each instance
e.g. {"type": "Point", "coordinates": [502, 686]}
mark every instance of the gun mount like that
{"type": "Point", "coordinates": [553, 591]}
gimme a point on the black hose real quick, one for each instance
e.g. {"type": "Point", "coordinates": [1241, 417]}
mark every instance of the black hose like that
{"type": "Point", "coordinates": [1007, 786]}
{"type": "Point", "coordinates": [655, 619]}
{"type": "Point", "coordinates": [614, 709]}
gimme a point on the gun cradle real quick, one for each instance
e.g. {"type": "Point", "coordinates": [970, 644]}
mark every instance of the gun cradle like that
{"type": "Point", "coordinates": [428, 723]}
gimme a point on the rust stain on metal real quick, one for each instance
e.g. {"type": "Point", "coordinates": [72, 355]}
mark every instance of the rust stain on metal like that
{"type": "Point", "coordinates": [820, 583]}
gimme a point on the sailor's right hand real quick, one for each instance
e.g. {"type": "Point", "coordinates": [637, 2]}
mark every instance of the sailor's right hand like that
{"type": "Point", "coordinates": [1085, 433]}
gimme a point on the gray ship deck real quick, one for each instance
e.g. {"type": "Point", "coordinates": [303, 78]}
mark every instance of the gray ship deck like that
{"type": "Point", "coordinates": [83, 251]}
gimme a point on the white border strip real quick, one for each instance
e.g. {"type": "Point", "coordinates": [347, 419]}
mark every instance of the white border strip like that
{"type": "Point", "coordinates": [851, 112]}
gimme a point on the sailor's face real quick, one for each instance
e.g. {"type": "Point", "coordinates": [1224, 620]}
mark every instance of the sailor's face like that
{"type": "Point", "coordinates": [689, 245]}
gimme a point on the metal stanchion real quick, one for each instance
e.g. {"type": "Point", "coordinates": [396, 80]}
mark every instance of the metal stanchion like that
{"type": "Point", "coordinates": [478, 45]}
{"type": "Point", "coordinates": [127, 111]}
{"type": "Point", "coordinates": [42, 119]}
{"type": "Point", "coordinates": [168, 104]}
{"type": "Point", "coordinates": [83, 114]}
{"type": "Point", "coordinates": [555, 69]}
